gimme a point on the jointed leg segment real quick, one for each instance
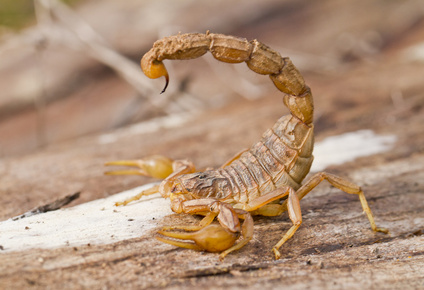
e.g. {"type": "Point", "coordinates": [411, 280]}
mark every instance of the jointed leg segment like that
{"type": "Point", "coordinates": [344, 185]}
{"type": "Point", "coordinates": [263, 205]}
{"type": "Point", "coordinates": [152, 190]}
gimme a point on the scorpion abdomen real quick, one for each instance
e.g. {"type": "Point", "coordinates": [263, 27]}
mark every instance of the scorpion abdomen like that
{"type": "Point", "coordinates": [282, 157]}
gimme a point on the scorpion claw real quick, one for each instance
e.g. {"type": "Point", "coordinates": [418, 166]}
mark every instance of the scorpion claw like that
{"type": "Point", "coordinates": [213, 238]}
{"type": "Point", "coordinates": [155, 166]}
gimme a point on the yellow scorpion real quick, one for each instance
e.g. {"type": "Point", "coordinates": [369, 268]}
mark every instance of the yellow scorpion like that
{"type": "Point", "coordinates": [263, 180]}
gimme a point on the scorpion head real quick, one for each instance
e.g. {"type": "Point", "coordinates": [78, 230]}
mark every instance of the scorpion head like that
{"type": "Point", "coordinates": [207, 184]}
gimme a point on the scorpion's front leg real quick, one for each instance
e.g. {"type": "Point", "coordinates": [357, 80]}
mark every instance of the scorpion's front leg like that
{"type": "Point", "coordinates": [207, 236]}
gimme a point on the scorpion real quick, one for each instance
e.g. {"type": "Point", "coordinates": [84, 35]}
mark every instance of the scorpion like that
{"type": "Point", "coordinates": [264, 180]}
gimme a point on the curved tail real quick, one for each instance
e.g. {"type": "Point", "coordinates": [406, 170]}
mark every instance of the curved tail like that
{"type": "Point", "coordinates": [258, 57]}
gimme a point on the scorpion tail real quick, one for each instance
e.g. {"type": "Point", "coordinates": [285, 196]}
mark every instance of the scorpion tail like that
{"type": "Point", "coordinates": [154, 69]}
{"type": "Point", "coordinates": [258, 57]}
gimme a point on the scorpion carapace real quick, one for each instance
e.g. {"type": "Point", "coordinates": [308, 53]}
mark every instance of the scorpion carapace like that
{"type": "Point", "coordinates": [263, 180]}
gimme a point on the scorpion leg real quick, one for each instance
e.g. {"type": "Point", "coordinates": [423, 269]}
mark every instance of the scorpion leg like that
{"type": "Point", "coordinates": [152, 190]}
{"type": "Point", "coordinates": [262, 206]}
{"type": "Point", "coordinates": [344, 185]}
{"type": "Point", "coordinates": [295, 214]}
{"type": "Point", "coordinates": [246, 231]}
{"type": "Point", "coordinates": [207, 220]}
{"type": "Point", "coordinates": [207, 236]}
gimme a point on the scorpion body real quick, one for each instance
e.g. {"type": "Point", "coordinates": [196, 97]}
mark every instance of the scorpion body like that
{"type": "Point", "coordinates": [263, 180]}
{"type": "Point", "coordinates": [276, 160]}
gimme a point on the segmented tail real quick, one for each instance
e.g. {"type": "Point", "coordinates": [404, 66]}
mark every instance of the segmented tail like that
{"type": "Point", "coordinates": [258, 57]}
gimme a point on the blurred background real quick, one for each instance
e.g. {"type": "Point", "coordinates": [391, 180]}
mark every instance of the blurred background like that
{"type": "Point", "coordinates": [71, 68]}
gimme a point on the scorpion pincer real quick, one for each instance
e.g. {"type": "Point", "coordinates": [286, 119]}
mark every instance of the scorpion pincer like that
{"type": "Point", "coordinates": [263, 180]}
